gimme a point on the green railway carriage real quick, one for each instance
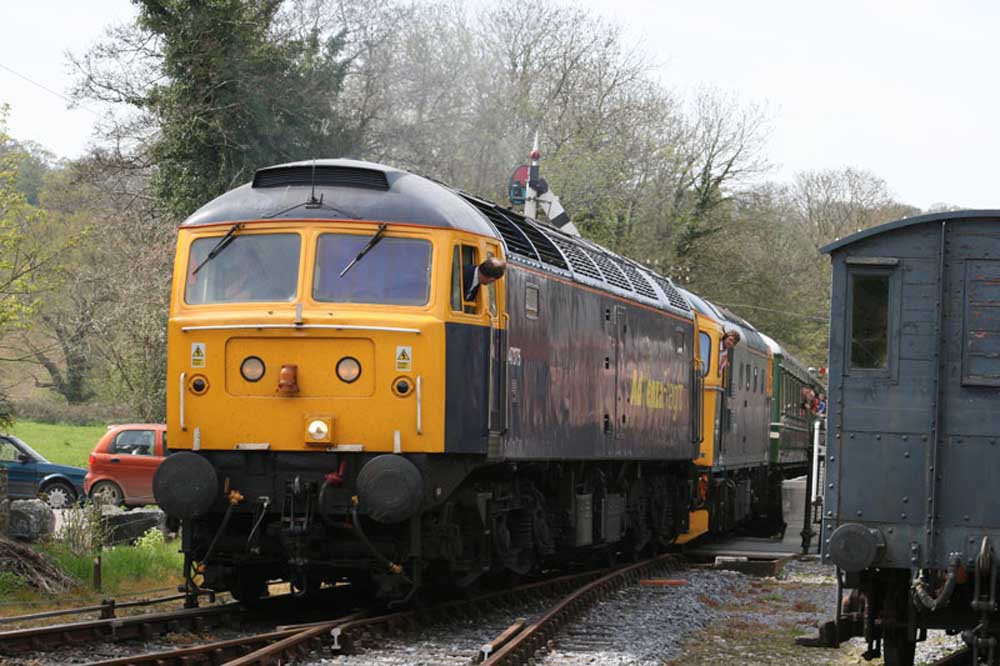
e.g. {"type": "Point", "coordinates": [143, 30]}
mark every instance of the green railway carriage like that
{"type": "Point", "coordinates": [791, 424]}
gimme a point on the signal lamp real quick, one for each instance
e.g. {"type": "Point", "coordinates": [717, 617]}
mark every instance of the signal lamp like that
{"type": "Point", "coordinates": [348, 369]}
{"type": "Point", "coordinates": [252, 369]}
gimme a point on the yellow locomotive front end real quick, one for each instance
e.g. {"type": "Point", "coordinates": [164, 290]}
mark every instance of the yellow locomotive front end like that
{"type": "Point", "coordinates": [270, 349]}
{"type": "Point", "coordinates": [307, 374]}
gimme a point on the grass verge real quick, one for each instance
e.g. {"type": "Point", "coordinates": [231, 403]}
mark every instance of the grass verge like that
{"type": "Point", "coordinates": [59, 442]}
{"type": "Point", "coordinates": [150, 566]}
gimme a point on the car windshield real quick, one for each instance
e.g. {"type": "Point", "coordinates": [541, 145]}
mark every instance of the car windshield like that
{"type": "Point", "coordinates": [27, 449]}
{"type": "Point", "coordinates": [397, 271]}
{"type": "Point", "coordinates": [255, 267]}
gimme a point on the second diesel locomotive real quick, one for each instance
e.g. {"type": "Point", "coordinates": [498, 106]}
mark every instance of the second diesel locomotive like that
{"type": "Point", "coordinates": [343, 405]}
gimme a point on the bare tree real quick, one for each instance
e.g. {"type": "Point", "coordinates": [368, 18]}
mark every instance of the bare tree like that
{"type": "Point", "coordinates": [833, 203]}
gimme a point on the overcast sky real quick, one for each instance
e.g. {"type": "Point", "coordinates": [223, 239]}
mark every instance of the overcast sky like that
{"type": "Point", "coordinates": [904, 88]}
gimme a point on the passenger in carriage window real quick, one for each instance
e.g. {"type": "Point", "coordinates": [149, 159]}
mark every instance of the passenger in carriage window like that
{"type": "Point", "coordinates": [473, 277]}
{"type": "Point", "coordinates": [729, 340]}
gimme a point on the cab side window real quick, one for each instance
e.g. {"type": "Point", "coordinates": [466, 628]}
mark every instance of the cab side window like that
{"type": "Point", "coordinates": [705, 351]}
{"type": "Point", "coordinates": [463, 270]}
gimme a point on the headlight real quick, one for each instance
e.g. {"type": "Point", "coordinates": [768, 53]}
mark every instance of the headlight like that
{"type": "Point", "coordinates": [318, 430]}
{"type": "Point", "coordinates": [348, 369]}
{"type": "Point", "coordinates": [252, 369]}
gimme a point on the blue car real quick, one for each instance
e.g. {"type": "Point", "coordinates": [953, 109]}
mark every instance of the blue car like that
{"type": "Point", "coordinates": [30, 475]}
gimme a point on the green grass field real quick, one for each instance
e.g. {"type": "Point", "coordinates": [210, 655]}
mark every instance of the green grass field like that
{"type": "Point", "coordinates": [60, 443]}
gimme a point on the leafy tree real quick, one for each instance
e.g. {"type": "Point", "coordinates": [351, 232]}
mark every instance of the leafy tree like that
{"type": "Point", "coordinates": [219, 92]}
{"type": "Point", "coordinates": [23, 256]}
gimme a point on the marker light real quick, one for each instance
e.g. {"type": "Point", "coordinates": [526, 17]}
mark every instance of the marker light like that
{"type": "Point", "coordinates": [318, 430]}
{"type": "Point", "coordinates": [348, 369]}
{"type": "Point", "coordinates": [252, 369]}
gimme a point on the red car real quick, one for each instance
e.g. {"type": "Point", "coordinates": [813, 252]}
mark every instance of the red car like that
{"type": "Point", "coordinates": [122, 464]}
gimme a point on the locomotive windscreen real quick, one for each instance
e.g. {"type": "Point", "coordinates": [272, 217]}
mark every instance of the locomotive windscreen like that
{"type": "Point", "coordinates": [397, 271]}
{"type": "Point", "coordinates": [253, 267]}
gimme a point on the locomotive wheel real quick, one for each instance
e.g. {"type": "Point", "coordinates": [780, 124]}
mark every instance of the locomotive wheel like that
{"type": "Point", "coordinates": [250, 590]}
{"type": "Point", "coordinates": [897, 648]}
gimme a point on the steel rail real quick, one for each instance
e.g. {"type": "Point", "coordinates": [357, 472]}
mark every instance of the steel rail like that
{"type": "Point", "coordinates": [116, 628]}
{"type": "Point", "coordinates": [106, 608]}
{"type": "Point", "coordinates": [520, 648]}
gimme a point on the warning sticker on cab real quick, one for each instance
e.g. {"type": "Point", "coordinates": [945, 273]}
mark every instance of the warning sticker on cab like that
{"type": "Point", "coordinates": [404, 358]}
{"type": "Point", "coordinates": [197, 354]}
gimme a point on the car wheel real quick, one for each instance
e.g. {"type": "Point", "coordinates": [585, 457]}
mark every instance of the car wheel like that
{"type": "Point", "coordinates": [107, 492]}
{"type": "Point", "coordinates": [58, 494]}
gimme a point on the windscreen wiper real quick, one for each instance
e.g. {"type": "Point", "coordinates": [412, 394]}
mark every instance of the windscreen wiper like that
{"type": "Point", "coordinates": [220, 246]}
{"type": "Point", "coordinates": [372, 242]}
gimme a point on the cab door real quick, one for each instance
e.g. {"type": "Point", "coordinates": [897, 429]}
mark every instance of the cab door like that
{"type": "Point", "coordinates": [495, 310]}
{"type": "Point", "coordinates": [713, 391]}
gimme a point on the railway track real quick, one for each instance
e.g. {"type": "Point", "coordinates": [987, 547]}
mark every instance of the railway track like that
{"type": "Point", "coordinates": [342, 634]}
{"type": "Point", "coordinates": [143, 626]}
{"type": "Point", "coordinates": [555, 605]}
{"type": "Point", "coordinates": [280, 644]}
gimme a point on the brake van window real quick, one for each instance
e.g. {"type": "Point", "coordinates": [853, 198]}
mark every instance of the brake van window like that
{"type": "Point", "coordinates": [870, 321]}
{"type": "Point", "coordinates": [394, 271]}
{"type": "Point", "coordinates": [257, 267]}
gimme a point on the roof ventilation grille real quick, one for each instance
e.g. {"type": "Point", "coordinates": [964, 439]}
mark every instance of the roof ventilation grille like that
{"type": "Point", "coordinates": [324, 176]}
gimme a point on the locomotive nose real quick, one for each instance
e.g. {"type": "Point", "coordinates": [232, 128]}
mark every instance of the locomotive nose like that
{"type": "Point", "coordinates": [185, 485]}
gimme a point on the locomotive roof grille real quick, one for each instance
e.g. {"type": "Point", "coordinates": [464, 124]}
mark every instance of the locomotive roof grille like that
{"type": "Point", "coordinates": [324, 175]}
{"type": "Point", "coordinates": [547, 251]}
{"type": "Point", "coordinates": [612, 273]}
{"type": "Point", "coordinates": [674, 296]}
{"type": "Point", "coordinates": [515, 238]}
{"type": "Point", "coordinates": [578, 259]}
{"type": "Point", "coordinates": [639, 281]}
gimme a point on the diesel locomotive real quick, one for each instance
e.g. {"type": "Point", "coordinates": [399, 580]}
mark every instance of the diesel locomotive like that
{"type": "Point", "coordinates": [343, 405]}
{"type": "Point", "coordinates": [910, 515]}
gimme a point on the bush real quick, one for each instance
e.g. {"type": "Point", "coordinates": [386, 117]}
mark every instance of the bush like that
{"type": "Point", "coordinates": [10, 583]}
{"type": "Point", "coordinates": [82, 531]}
{"type": "Point", "coordinates": [55, 410]}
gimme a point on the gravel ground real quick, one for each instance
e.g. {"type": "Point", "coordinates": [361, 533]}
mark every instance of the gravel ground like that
{"type": "Point", "coordinates": [643, 625]}
{"type": "Point", "coordinates": [715, 617]}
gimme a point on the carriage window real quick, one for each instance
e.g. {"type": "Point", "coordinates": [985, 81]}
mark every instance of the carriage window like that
{"type": "Point", "coordinates": [740, 383]}
{"type": "Point", "coordinates": [255, 267]}
{"type": "Point", "coordinates": [531, 301]}
{"type": "Point", "coordinates": [747, 386]}
{"type": "Point", "coordinates": [755, 379]}
{"type": "Point", "coordinates": [705, 351]}
{"type": "Point", "coordinates": [396, 271]}
{"type": "Point", "coordinates": [870, 321]}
